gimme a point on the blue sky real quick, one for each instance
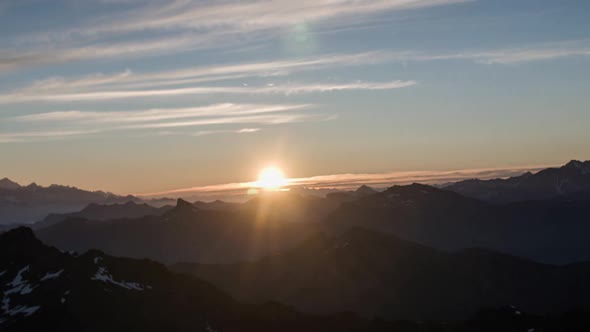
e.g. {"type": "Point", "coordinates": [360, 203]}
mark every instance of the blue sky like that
{"type": "Point", "coordinates": [150, 96]}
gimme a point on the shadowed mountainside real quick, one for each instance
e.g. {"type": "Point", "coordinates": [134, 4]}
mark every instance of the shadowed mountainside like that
{"type": "Point", "coordinates": [185, 233]}
{"type": "Point", "coordinates": [379, 275]}
{"type": "Point", "coordinates": [45, 289]}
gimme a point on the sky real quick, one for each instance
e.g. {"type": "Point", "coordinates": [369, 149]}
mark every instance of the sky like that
{"type": "Point", "coordinates": [139, 97]}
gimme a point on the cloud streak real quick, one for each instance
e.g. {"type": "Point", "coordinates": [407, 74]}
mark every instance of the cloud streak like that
{"type": "Point", "coordinates": [92, 122]}
{"type": "Point", "coordinates": [285, 89]}
{"type": "Point", "coordinates": [351, 181]}
{"type": "Point", "coordinates": [183, 25]}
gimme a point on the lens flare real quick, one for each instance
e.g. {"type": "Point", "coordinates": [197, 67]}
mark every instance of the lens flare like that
{"type": "Point", "coordinates": [271, 178]}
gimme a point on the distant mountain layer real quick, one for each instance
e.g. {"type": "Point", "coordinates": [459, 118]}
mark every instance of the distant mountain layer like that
{"type": "Point", "coordinates": [28, 204]}
{"type": "Point", "coordinates": [213, 232]}
{"type": "Point", "coordinates": [571, 181]}
{"type": "Point", "coordinates": [100, 212]}
{"type": "Point", "coordinates": [553, 231]}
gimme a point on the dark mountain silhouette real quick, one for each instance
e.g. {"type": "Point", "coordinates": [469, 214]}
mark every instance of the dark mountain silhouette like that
{"type": "Point", "coordinates": [185, 233]}
{"type": "Point", "coordinates": [45, 289]}
{"type": "Point", "coordinates": [571, 181]}
{"type": "Point", "coordinates": [27, 204]}
{"type": "Point", "coordinates": [548, 231]}
{"type": "Point", "coordinates": [374, 274]}
{"type": "Point", "coordinates": [100, 212]}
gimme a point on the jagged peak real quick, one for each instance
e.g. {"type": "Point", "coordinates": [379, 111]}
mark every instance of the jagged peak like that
{"type": "Point", "coordinates": [364, 189]}
{"type": "Point", "coordinates": [6, 183]}
{"type": "Point", "coordinates": [184, 206]}
{"type": "Point", "coordinates": [182, 203]}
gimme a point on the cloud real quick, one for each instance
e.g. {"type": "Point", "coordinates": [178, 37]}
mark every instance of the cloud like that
{"type": "Point", "coordinates": [128, 79]}
{"type": "Point", "coordinates": [352, 181]}
{"type": "Point", "coordinates": [183, 25]}
{"type": "Point", "coordinates": [42, 135]}
{"type": "Point", "coordinates": [240, 16]}
{"type": "Point", "coordinates": [93, 122]}
{"type": "Point", "coordinates": [19, 59]}
{"type": "Point", "coordinates": [286, 89]}
{"type": "Point", "coordinates": [225, 109]}
{"type": "Point", "coordinates": [506, 56]}
{"type": "Point", "coordinates": [239, 131]}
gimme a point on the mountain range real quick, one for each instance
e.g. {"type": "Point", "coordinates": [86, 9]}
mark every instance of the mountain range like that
{"type": "Point", "coordinates": [407, 258]}
{"type": "Point", "coordinates": [45, 289]}
{"type": "Point", "coordinates": [571, 181]}
{"type": "Point", "coordinates": [187, 233]}
{"type": "Point", "coordinates": [27, 204]}
{"type": "Point", "coordinates": [550, 231]}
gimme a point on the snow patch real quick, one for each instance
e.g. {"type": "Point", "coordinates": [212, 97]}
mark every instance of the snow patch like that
{"type": "Point", "coordinates": [19, 286]}
{"type": "Point", "coordinates": [102, 275]}
{"type": "Point", "coordinates": [50, 275]}
{"type": "Point", "coordinates": [19, 277]}
{"type": "Point", "coordinates": [21, 309]}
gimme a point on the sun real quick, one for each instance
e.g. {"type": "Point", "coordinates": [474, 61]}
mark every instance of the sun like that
{"type": "Point", "coordinates": [271, 178]}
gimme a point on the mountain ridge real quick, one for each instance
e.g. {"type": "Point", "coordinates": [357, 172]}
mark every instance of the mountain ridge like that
{"type": "Point", "coordinates": [569, 181]}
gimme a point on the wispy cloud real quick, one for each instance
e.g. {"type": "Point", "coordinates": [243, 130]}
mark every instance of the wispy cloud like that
{"type": "Point", "coordinates": [28, 136]}
{"type": "Point", "coordinates": [238, 16]}
{"type": "Point", "coordinates": [517, 55]}
{"type": "Point", "coordinates": [128, 79]}
{"type": "Point", "coordinates": [89, 122]}
{"type": "Point", "coordinates": [286, 89]}
{"type": "Point", "coordinates": [183, 25]}
{"type": "Point", "coordinates": [214, 132]}
{"type": "Point", "coordinates": [226, 109]}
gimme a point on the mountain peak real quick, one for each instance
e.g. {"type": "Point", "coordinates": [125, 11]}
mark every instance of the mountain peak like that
{"type": "Point", "coordinates": [33, 185]}
{"type": "Point", "coordinates": [574, 163]}
{"type": "Point", "coordinates": [365, 190]}
{"type": "Point", "coordinates": [183, 207]}
{"type": "Point", "coordinates": [582, 167]}
{"type": "Point", "coordinates": [6, 183]}
{"type": "Point", "coordinates": [182, 203]}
